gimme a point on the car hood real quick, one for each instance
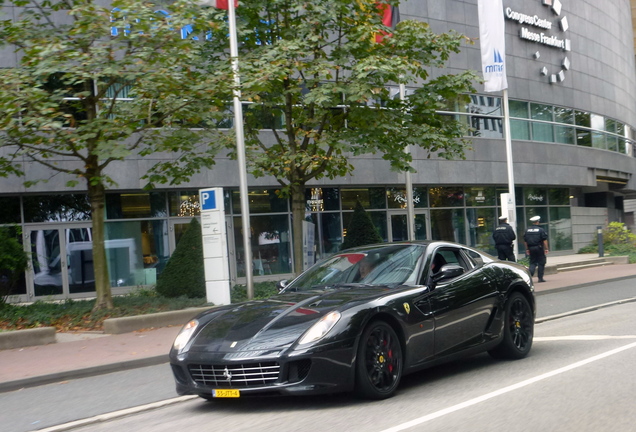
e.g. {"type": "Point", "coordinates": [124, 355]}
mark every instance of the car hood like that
{"type": "Point", "coordinates": [268, 326]}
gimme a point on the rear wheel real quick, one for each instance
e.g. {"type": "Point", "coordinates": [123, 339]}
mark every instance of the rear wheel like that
{"type": "Point", "coordinates": [518, 330]}
{"type": "Point", "coordinates": [379, 362]}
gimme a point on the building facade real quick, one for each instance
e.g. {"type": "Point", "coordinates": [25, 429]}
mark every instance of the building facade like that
{"type": "Point", "coordinates": [572, 89]}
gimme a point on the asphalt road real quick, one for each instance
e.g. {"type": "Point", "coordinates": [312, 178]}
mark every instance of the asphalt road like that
{"type": "Point", "coordinates": [579, 376]}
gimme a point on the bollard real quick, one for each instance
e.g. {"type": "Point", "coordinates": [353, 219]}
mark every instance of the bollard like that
{"type": "Point", "coordinates": [599, 237]}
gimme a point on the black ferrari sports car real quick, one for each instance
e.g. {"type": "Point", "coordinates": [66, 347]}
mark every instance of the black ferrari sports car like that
{"type": "Point", "coordinates": [358, 321]}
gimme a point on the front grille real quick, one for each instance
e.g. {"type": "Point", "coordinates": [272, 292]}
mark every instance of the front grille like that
{"type": "Point", "coordinates": [235, 375]}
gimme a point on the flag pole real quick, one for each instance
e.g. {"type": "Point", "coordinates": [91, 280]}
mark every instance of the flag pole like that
{"type": "Point", "coordinates": [410, 211]}
{"type": "Point", "coordinates": [240, 151]}
{"type": "Point", "coordinates": [512, 207]}
{"type": "Point", "coordinates": [492, 38]}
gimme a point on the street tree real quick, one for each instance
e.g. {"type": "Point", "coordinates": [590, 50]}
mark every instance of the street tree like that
{"type": "Point", "coordinates": [321, 76]}
{"type": "Point", "coordinates": [96, 83]}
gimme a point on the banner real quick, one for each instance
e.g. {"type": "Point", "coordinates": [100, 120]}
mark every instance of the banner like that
{"type": "Point", "coordinates": [218, 4]}
{"type": "Point", "coordinates": [492, 38]}
{"type": "Point", "coordinates": [390, 18]}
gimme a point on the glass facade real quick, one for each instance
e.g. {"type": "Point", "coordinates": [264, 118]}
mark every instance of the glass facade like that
{"type": "Point", "coordinates": [142, 229]}
{"type": "Point", "coordinates": [545, 123]}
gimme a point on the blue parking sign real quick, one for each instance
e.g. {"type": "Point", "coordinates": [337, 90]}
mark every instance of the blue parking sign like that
{"type": "Point", "coordinates": [207, 198]}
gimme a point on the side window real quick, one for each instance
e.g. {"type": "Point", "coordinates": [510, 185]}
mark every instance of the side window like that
{"type": "Point", "coordinates": [473, 258]}
{"type": "Point", "coordinates": [449, 256]}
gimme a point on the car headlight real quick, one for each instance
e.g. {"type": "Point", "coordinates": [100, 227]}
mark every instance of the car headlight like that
{"type": "Point", "coordinates": [321, 328]}
{"type": "Point", "coordinates": [184, 335]}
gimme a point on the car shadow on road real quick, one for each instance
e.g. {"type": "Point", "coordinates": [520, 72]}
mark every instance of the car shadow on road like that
{"type": "Point", "coordinates": [271, 404]}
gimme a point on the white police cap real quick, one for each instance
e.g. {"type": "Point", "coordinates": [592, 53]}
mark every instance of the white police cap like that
{"type": "Point", "coordinates": [535, 218]}
{"type": "Point", "coordinates": [502, 217]}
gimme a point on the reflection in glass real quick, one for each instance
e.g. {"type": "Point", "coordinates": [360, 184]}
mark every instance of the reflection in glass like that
{"type": "Point", "coordinates": [184, 203]}
{"type": "Point", "coordinates": [560, 233]}
{"type": "Point", "coordinates": [136, 251]}
{"type": "Point", "coordinates": [331, 237]}
{"type": "Point", "coordinates": [481, 223]}
{"type": "Point", "coordinates": [261, 201]}
{"type": "Point", "coordinates": [10, 213]}
{"type": "Point", "coordinates": [559, 196]}
{"type": "Point", "coordinates": [56, 208]}
{"type": "Point", "coordinates": [79, 258]}
{"type": "Point", "coordinates": [480, 196]}
{"type": "Point", "coordinates": [448, 225]}
{"type": "Point", "coordinates": [271, 247]}
{"type": "Point", "coordinates": [135, 205]}
{"type": "Point", "coordinates": [46, 260]}
{"type": "Point", "coordinates": [564, 135]}
{"type": "Point", "coordinates": [396, 197]}
{"type": "Point", "coordinates": [446, 196]}
{"type": "Point", "coordinates": [370, 198]}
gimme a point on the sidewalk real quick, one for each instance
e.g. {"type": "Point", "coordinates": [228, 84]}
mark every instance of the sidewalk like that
{"type": "Point", "coordinates": [81, 355]}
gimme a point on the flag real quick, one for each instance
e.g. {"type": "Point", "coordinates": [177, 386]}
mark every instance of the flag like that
{"type": "Point", "coordinates": [493, 44]}
{"type": "Point", "coordinates": [218, 4]}
{"type": "Point", "coordinates": [390, 18]}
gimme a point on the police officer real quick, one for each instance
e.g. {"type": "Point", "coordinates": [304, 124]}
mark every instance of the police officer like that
{"type": "Point", "coordinates": [503, 236]}
{"type": "Point", "coordinates": [536, 240]}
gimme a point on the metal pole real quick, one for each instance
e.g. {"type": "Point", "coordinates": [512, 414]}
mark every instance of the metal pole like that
{"type": "Point", "coordinates": [512, 209]}
{"type": "Point", "coordinates": [410, 211]}
{"type": "Point", "coordinates": [240, 151]}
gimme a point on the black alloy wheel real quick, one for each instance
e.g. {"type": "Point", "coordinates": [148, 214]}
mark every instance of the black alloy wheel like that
{"type": "Point", "coordinates": [518, 330]}
{"type": "Point", "coordinates": [379, 362]}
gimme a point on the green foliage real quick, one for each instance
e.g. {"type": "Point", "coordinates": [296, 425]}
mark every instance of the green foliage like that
{"type": "Point", "coordinates": [361, 230]}
{"type": "Point", "coordinates": [314, 70]}
{"type": "Point", "coordinates": [591, 248]}
{"type": "Point", "coordinates": [617, 241]}
{"type": "Point", "coordinates": [617, 234]}
{"type": "Point", "coordinates": [262, 290]}
{"type": "Point", "coordinates": [184, 274]}
{"type": "Point", "coordinates": [525, 261]}
{"type": "Point", "coordinates": [74, 315]}
{"type": "Point", "coordinates": [13, 262]}
{"type": "Point", "coordinates": [80, 100]}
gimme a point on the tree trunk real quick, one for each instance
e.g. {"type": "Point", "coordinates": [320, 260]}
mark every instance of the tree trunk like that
{"type": "Point", "coordinates": [104, 300]}
{"type": "Point", "coordinates": [298, 215]}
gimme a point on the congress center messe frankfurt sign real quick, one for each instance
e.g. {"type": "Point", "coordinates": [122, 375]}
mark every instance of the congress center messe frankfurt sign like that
{"type": "Point", "coordinates": [548, 30]}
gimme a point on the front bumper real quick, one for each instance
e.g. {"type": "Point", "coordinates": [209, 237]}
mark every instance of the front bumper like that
{"type": "Point", "coordinates": [325, 369]}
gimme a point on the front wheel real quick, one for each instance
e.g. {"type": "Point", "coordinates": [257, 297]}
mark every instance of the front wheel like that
{"type": "Point", "coordinates": [378, 362]}
{"type": "Point", "coordinates": [518, 329]}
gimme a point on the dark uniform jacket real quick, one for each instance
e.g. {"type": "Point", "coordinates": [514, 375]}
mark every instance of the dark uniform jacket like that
{"type": "Point", "coordinates": [504, 234]}
{"type": "Point", "coordinates": [534, 236]}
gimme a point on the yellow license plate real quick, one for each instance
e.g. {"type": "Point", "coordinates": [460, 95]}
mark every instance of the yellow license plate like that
{"type": "Point", "coordinates": [226, 393]}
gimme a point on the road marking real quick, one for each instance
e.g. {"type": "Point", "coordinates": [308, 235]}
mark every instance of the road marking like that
{"type": "Point", "coordinates": [115, 414]}
{"type": "Point", "coordinates": [584, 310]}
{"type": "Point", "coordinates": [581, 338]}
{"type": "Point", "coordinates": [477, 400]}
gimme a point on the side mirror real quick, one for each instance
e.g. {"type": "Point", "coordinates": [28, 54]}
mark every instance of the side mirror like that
{"type": "Point", "coordinates": [448, 271]}
{"type": "Point", "coordinates": [280, 285]}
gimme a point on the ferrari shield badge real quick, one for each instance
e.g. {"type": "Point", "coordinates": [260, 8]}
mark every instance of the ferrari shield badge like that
{"type": "Point", "coordinates": [407, 308]}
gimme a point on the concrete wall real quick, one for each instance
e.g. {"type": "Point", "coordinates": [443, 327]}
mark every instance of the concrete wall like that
{"type": "Point", "coordinates": [585, 221]}
{"type": "Point", "coordinates": [601, 79]}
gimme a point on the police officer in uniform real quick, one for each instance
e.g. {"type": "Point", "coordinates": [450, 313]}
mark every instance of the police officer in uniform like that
{"type": "Point", "coordinates": [503, 236]}
{"type": "Point", "coordinates": [536, 240]}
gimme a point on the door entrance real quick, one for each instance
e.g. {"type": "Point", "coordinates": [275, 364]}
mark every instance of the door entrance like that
{"type": "Point", "coordinates": [398, 229]}
{"type": "Point", "coordinates": [61, 261]}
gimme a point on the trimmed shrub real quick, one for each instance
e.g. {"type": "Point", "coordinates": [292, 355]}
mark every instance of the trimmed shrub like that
{"type": "Point", "coordinates": [361, 230]}
{"type": "Point", "coordinates": [184, 274]}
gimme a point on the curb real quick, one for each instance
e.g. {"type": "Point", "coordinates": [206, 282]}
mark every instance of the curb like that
{"type": "Point", "coordinates": [581, 285]}
{"type": "Point", "coordinates": [82, 373]}
{"type": "Point", "coordinates": [159, 319]}
{"type": "Point", "coordinates": [27, 337]}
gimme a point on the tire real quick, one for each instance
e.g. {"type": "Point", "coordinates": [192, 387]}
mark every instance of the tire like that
{"type": "Point", "coordinates": [518, 329]}
{"type": "Point", "coordinates": [379, 362]}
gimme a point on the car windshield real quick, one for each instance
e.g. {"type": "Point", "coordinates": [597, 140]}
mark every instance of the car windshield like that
{"type": "Point", "coordinates": [392, 265]}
